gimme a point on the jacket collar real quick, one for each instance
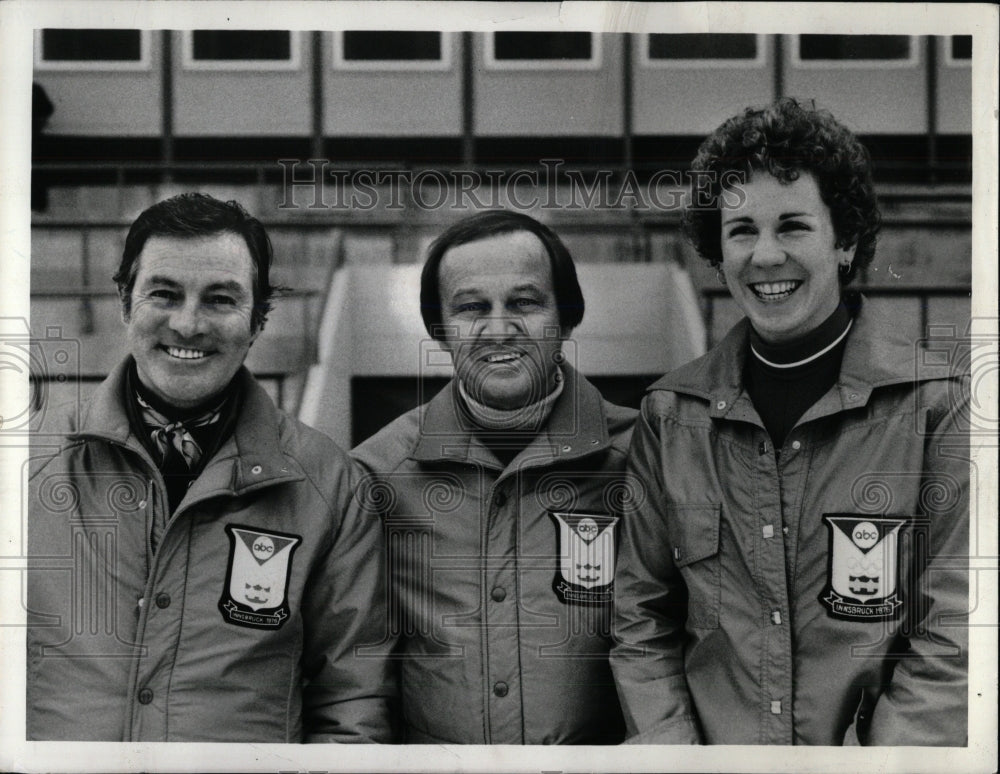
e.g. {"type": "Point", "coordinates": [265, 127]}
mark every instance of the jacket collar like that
{"type": "Point", "coordinates": [249, 459]}
{"type": "Point", "coordinates": [576, 427]}
{"type": "Point", "coordinates": [875, 355]}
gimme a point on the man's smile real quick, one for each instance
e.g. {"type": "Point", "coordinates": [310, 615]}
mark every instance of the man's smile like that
{"type": "Point", "coordinates": [184, 353]}
{"type": "Point", "coordinates": [507, 356]}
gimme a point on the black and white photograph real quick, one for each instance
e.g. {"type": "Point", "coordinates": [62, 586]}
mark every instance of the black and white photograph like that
{"type": "Point", "coordinates": [530, 387]}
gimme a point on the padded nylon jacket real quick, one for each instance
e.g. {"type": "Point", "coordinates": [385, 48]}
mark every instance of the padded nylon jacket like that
{"type": "Point", "coordinates": [498, 645]}
{"type": "Point", "coordinates": [242, 625]}
{"type": "Point", "coordinates": [816, 594]}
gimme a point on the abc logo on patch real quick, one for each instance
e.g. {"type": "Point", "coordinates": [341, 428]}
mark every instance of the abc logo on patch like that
{"type": "Point", "coordinates": [263, 548]}
{"type": "Point", "coordinates": [587, 529]}
{"type": "Point", "coordinates": [864, 535]}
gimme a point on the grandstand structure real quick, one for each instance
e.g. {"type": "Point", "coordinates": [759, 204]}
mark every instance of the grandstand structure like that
{"type": "Point", "coordinates": [356, 148]}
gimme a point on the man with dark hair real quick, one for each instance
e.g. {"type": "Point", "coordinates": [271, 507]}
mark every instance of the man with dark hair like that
{"type": "Point", "coordinates": [500, 497]}
{"type": "Point", "coordinates": [223, 574]}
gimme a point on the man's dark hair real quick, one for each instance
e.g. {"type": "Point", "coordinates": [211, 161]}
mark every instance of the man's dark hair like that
{"type": "Point", "coordinates": [483, 225]}
{"type": "Point", "coordinates": [786, 139]}
{"type": "Point", "coordinates": [193, 215]}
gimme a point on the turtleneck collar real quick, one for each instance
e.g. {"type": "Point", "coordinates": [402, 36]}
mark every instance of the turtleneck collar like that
{"type": "Point", "coordinates": [805, 349]}
{"type": "Point", "coordinates": [529, 417]}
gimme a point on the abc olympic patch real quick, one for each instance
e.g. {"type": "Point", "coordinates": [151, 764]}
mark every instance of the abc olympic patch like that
{"type": "Point", "coordinates": [862, 567]}
{"type": "Point", "coordinates": [256, 589]}
{"type": "Point", "coordinates": [586, 546]}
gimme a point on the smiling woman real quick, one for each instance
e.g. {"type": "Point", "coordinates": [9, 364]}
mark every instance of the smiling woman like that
{"type": "Point", "coordinates": [793, 216]}
{"type": "Point", "coordinates": [786, 141]}
{"type": "Point", "coordinates": [779, 256]}
{"type": "Point", "coordinates": [759, 459]}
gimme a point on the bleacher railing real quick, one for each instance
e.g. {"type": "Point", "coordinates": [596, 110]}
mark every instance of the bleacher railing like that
{"type": "Point", "coordinates": [643, 235]}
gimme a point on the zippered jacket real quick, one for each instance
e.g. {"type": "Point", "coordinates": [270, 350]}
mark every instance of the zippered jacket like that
{"type": "Point", "coordinates": [502, 575]}
{"type": "Point", "coordinates": [813, 594]}
{"type": "Point", "coordinates": [244, 623]}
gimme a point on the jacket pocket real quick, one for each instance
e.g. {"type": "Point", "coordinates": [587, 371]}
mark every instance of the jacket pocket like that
{"type": "Point", "coordinates": [694, 536]}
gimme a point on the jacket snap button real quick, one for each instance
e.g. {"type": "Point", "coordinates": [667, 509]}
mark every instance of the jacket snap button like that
{"type": "Point", "coordinates": [500, 689]}
{"type": "Point", "coordinates": [142, 503]}
{"type": "Point", "coordinates": [145, 696]}
{"type": "Point", "coordinates": [256, 470]}
{"type": "Point", "coordinates": [498, 594]}
{"type": "Point", "coordinates": [162, 601]}
{"type": "Point", "coordinates": [796, 445]}
{"type": "Point", "coordinates": [720, 405]}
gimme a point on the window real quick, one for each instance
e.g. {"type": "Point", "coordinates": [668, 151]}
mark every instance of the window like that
{"type": "Point", "coordinates": [959, 50]}
{"type": "Point", "coordinates": [391, 50]}
{"type": "Point", "coordinates": [543, 50]}
{"type": "Point", "coordinates": [702, 50]}
{"type": "Point", "coordinates": [855, 50]}
{"type": "Point", "coordinates": [241, 50]}
{"type": "Point", "coordinates": [91, 49]}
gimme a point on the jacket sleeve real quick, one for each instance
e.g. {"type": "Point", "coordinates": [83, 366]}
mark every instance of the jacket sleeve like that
{"type": "Point", "coordinates": [349, 684]}
{"type": "Point", "coordinates": [650, 602]}
{"type": "Point", "coordinates": [926, 700]}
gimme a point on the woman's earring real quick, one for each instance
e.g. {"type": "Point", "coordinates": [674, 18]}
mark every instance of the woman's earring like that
{"type": "Point", "coordinates": [845, 267]}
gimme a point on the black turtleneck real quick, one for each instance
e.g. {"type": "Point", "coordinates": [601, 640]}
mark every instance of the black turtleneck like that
{"type": "Point", "coordinates": [782, 395]}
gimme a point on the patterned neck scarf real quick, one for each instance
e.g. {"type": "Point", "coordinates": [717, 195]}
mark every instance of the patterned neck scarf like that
{"type": "Point", "coordinates": [167, 435]}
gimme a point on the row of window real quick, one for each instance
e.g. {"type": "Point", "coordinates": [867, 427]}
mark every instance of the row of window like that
{"type": "Point", "coordinates": [379, 49]}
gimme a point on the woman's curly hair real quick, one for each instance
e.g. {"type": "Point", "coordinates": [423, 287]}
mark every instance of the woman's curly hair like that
{"type": "Point", "coordinates": [785, 139]}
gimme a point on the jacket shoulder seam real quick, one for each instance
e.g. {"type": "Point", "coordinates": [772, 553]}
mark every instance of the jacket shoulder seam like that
{"type": "Point", "coordinates": [54, 455]}
{"type": "Point", "coordinates": [308, 476]}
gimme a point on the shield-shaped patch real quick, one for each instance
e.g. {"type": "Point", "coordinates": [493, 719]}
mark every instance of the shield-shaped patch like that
{"type": "Point", "coordinates": [256, 589]}
{"type": "Point", "coordinates": [862, 567]}
{"type": "Point", "coordinates": [586, 557]}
